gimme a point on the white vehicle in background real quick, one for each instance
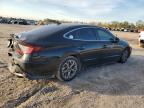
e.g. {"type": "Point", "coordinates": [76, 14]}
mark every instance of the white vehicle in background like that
{"type": "Point", "coordinates": [141, 39]}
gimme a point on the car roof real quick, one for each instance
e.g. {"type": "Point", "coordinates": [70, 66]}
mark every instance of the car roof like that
{"type": "Point", "coordinates": [54, 28]}
{"type": "Point", "coordinates": [49, 33]}
{"type": "Point", "coordinates": [67, 25]}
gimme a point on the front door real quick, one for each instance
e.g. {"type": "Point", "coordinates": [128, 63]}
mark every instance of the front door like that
{"type": "Point", "coordinates": [110, 49]}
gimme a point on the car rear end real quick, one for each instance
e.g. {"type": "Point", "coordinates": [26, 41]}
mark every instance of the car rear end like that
{"type": "Point", "coordinates": [25, 59]}
{"type": "Point", "coordinates": [34, 53]}
{"type": "Point", "coordinates": [141, 39]}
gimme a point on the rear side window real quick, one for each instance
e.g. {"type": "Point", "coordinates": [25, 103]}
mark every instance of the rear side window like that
{"type": "Point", "coordinates": [82, 34]}
{"type": "Point", "coordinates": [104, 35]}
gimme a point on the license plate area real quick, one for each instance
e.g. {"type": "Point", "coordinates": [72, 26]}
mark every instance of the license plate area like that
{"type": "Point", "coordinates": [15, 69]}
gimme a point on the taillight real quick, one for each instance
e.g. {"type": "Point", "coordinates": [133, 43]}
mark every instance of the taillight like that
{"type": "Point", "coordinates": [29, 49]}
{"type": "Point", "coordinates": [32, 49]}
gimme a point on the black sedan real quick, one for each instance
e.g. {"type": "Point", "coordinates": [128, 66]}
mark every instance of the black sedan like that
{"type": "Point", "coordinates": [61, 50]}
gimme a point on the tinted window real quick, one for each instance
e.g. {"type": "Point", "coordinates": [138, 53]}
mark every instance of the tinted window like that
{"type": "Point", "coordinates": [82, 34]}
{"type": "Point", "coordinates": [72, 35]}
{"type": "Point", "coordinates": [104, 35]}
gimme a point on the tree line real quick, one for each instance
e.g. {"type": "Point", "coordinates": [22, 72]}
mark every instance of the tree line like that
{"type": "Point", "coordinates": [114, 25]}
{"type": "Point", "coordinates": [139, 25]}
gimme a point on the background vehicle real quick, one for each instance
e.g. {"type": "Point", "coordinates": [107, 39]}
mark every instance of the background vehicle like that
{"type": "Point", "coordinates": [141, 39]}
{"type": "Point", "coordinates": [61, 50]}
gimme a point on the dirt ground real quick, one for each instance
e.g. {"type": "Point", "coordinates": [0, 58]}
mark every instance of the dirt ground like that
{"type": "Point", "coordinates": [110, 86]}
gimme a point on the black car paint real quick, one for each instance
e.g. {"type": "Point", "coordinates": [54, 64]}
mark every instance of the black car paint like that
{"type": "Point", "coordinates": [56, 47]}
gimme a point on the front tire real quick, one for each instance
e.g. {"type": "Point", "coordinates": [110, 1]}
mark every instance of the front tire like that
{"type": "Point", "coordinates": [68, 68]}
{"type": "Point", "coordinates": [124, 56]}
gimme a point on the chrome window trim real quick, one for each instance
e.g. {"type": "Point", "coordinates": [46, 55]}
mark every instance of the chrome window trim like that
{"type": "Point", "coordinates": [81, 39]}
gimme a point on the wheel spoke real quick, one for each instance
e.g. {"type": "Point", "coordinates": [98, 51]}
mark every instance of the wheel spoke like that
{"type": "Point", "coordinates": [69, 69]}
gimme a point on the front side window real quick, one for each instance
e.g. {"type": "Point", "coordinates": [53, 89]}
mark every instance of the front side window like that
{"type": "Point", "coordinates": [104, 35]}
{"type": "Point", "coordinates": [82, 34]}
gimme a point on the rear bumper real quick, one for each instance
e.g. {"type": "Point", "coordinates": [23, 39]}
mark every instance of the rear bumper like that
{"type": "Point", "coordinates": [31, 70]}
{"type": "Point", "coordinates": [15, 69]}
{"type": "Point", "coordinates": [142, 41]}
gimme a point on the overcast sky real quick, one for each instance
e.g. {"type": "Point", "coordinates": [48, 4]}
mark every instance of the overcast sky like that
{"type": "Point", "coordinates": [89, 10]}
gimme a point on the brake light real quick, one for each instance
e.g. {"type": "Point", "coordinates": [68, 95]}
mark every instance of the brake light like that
{"type": "Point", "coordinates": [32, 49]}
{"type": "Point", "coordinates": [19, 52]}
{"type": "Point", "coordinates": [29, 49]}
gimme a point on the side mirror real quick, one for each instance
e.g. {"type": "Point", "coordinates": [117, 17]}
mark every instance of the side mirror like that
{"type": "Point", "coordinates": [117, 39]}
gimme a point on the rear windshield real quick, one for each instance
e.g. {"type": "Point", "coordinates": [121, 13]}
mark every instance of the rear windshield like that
{"type": "Point", "coordinates": [41, 36]}
{"type": "Point", "coordinates": [48, 29]}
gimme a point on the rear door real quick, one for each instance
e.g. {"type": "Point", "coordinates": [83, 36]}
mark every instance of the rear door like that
{"type": "Point", "coordinates": [86, 44]}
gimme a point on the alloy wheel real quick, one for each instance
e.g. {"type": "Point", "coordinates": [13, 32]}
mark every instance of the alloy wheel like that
{"type": "Point", "coordinates": [69, 69]}
{"type": "Point", "coordinates": [124, 56]}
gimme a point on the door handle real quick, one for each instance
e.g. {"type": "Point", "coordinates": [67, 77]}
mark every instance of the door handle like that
{"type": "Point", "coordinates": [105, 46]}
{"type": "Point", "coordinates": [81, 47]}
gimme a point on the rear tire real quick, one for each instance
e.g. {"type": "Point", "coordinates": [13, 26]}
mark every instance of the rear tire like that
{"type": "Point", "coordinates": [124, 56]}
{"type": "Point", "coordinates": [141, 44]}
{"type": "Point", "coordinates": [68, 68]}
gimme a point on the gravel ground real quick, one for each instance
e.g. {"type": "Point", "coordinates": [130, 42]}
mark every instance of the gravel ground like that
{"type": "Point", "coordinates": [109, 86]}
